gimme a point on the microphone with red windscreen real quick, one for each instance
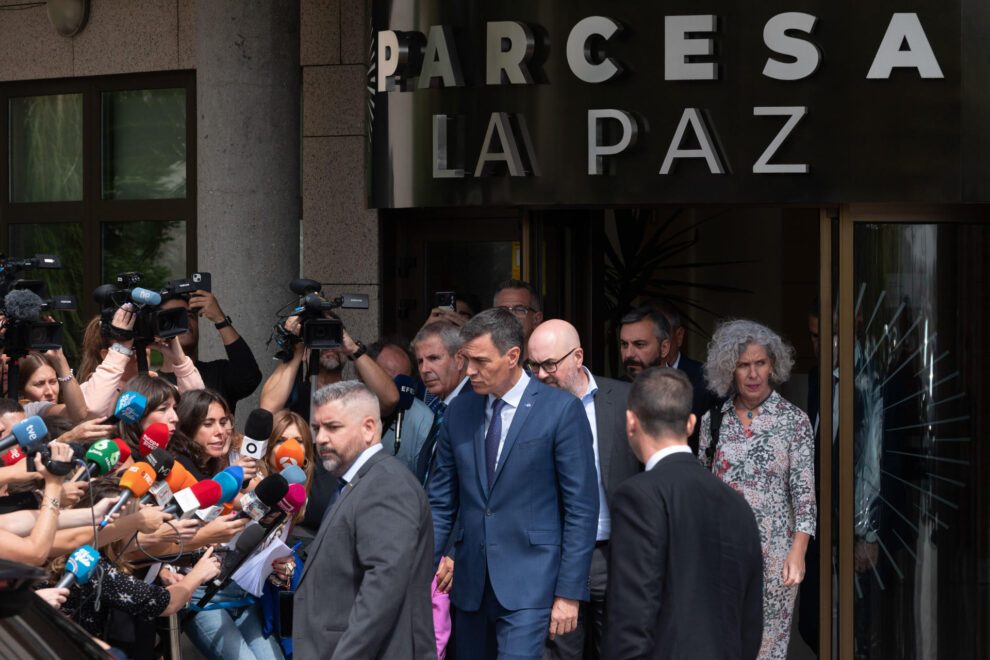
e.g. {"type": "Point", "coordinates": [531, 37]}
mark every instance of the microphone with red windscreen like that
{"type": "Point", "coordinates": [154, 437]}
{"type": "Point", "coordinates": [125, 452]}
{"type": "Point", "coordinates": [200, 495]}
{"type": "Point", "coordinates": [13, 456]}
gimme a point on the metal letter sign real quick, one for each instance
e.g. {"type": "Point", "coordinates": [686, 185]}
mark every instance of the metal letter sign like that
{"type": "Point", "coordinates": [521, 103]}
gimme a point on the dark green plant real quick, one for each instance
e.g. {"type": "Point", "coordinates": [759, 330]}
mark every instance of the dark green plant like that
{"type": "Point", "coordinates": [640, 261]}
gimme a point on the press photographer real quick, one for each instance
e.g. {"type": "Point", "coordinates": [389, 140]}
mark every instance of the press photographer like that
{"type": "Point", "coordinates": [236, 377]}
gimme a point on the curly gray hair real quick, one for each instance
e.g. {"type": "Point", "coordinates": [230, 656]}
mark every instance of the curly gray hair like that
{"type": "Point", "coordinates": [730, 341]}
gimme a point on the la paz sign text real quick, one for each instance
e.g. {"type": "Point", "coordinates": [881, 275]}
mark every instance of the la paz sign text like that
{"type": "Point", "coordinates": [405, 65]}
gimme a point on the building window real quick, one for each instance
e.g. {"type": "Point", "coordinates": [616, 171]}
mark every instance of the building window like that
{"type": "Point", "coordinates": [97, 172]}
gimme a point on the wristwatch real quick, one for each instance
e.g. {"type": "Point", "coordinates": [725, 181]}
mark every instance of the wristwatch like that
{"type": "Point", "coordinates": [225, 323]}
{"type": "Point", "coordinates": [120, 348]}
{"type": "Point", "coordinates": [361, 350]}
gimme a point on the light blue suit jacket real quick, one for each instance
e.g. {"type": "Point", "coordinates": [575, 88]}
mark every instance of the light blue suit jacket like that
{"type": "Point", "coordinates": [534, 531]}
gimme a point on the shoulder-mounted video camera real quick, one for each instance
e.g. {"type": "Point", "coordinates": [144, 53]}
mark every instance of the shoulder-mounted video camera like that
{"type": "Point", "coordinates": [151, 320]}
{"type": "Point", "coordinates": [320, 330]}
{"type": "Point", "coordinates": [21, 301]}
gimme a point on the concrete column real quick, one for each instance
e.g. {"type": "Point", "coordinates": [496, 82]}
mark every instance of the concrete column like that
{"type": "Point", "coordinates": [247, 98]}
{"type": "Point", "coordinates": [340, 233]}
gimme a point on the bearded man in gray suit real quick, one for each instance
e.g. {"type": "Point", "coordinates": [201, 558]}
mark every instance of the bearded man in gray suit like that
{"type": "Point", "coordinates": [365, 589]}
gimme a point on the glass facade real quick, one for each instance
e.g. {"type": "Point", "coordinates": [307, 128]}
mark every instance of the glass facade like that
{"type": "Point", "coordinates": [46, 148]}
{"type": "Point", "coordinates": [155, 249]}
{"type": "Point", "coordinates": [144, 144]}
{"type": "Point", "coordinates": [921, 545]}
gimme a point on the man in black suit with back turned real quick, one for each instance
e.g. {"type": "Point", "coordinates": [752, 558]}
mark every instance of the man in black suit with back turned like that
{"type": "Point", "coordinates": [702, 399]}
{"type": "Point", "coordinates": [557, 359]}
{"type": "Point", "coordinates": [688, 582]}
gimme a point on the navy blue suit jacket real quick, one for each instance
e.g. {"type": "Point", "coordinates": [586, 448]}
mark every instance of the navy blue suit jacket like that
{"type": "Point", "coordinates": [534, 531]}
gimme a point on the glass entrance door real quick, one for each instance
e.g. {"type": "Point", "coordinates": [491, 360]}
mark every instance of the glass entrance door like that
{"type": "Point", "coordinates": [914, 501]}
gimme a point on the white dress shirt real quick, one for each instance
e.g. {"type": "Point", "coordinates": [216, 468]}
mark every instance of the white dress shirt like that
{"type": "Point", "coordinates": [664, 453]}
{"type": "Point", "coordinates": [361, 460]}
{"type": "Point", "coordinates": [512, 399]}
{"type": "Point", "coordinates": [588, 400]}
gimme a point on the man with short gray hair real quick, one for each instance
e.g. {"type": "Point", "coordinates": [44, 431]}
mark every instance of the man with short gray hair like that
{"type": "Point", "coordinates": [515, 461]}
{"type": "Point", "coordinates": [688, 582]}
{"type": "Point", "coordinates": [374, 548]}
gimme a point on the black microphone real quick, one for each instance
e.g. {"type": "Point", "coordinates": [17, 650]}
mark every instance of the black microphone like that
{"type": "Point", "coordinates": [265, 495]}
{"type": "Point", "coordinates": [257, 430]}
{"type": "Point", "coordinates": [161, 462]}
{"type": "Point", "coordinates": [407, 394]}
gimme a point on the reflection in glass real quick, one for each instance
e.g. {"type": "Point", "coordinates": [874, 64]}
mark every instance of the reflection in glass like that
{"type": "Point", "coordinates": [155, 249]}
{"type": "Point", "coordinates": [920, 501]}
{"type": "Point", "coordinates": [46, 148]}
{"type": "Point", "coordinates": [63, 239]}
{"type": "Point", "coordinates": [144, 144]}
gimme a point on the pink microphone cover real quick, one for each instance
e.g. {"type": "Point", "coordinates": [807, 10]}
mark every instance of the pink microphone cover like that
{"type": "Point", "coordinates": [294, 499]}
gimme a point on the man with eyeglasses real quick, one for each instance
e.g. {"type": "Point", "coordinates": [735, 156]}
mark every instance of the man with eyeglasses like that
{"type": "Point", "coordinates": [557, 359]}
{"type": "Point", "coordinates": [522, 299]}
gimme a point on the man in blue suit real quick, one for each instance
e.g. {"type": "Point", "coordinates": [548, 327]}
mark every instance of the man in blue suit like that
{"type": "Point", "coordinates": [515, 459]}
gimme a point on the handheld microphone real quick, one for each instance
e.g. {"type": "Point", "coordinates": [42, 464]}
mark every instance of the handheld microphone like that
{"type": "Point", "coordinates": [407, 394]}
{"type": "Point", "coordinates": [200, 495]}
{"type": "Point", "coordinates": [267, 493]}
{"type": "Point", "coordinates": [136, 481]}
{"type": "Point", "coordinates": [125, 452]}
{"type": "Point", "coordinates": [100, 459]}
{"type": "Point", "coordinates": [237, 472]}
{"type": "Point", "coordinates": [154, 437]}
{"type": "Point", "coordinates": [144, 296]}
{"type": "Point", "coordinates": [289, 453]}
{"type": "Point", "coordinates": [13, 456]}
{"type": "Point", "coordinates": [163, 464]}
{"type": "Point", "coordinates": [130, 408]}
{"type": "Point", "coordinates": [24, 433]}
{"type": "Point", "coordinates": [294, 499]}
{"type": "Point", "coordinates": [80, 567]}
{"type": "Point", "coordinates": [294, 475]}
{"type": "Point", "coordinates": [257, 430]}
{"type": "Point", "coordinates": [229, 486]}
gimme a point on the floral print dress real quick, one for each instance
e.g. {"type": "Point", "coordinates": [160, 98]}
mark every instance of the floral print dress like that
{"type": "Point", "coordinates": [772, 465]}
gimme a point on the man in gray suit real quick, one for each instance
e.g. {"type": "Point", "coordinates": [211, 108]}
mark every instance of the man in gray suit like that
{"type": "Point", "coordinates": [557, 359]}
{"type": "Point", "coordinates": [365, 589]}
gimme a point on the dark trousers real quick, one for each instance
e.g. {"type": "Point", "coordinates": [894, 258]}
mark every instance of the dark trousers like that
{"type": "Point", "coordinates": [493, 632]}
{"type": "Point", "coordinates": [585, 641]}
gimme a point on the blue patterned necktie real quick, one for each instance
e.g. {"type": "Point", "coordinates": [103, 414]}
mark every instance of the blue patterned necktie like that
{"type": "Point", "coordinates": [429, 450]}
{"type": "Point", "coordinates": [492, 439]}
{"type": "Point", "coordinates": [341, 485]}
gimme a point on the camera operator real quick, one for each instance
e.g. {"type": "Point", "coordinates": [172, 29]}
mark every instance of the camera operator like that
{"type": "Point", "coordinates": [109, 363]}
{"type": "Point", "coordinates": [286, 389]}
{"type": "Point", "coordinates": [34, 548]}
{"type": "Point", "coordinates": [234, 378]}
{"type": "Point", "coordinates": [19, 476]}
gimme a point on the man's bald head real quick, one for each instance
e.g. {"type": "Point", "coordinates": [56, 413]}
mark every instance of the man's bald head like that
{"type": "Point", "coordinates": [556, 345]}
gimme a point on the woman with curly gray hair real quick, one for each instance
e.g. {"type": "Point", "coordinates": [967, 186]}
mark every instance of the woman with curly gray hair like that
{"type": "Point", "coordinates": [763, 448]}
